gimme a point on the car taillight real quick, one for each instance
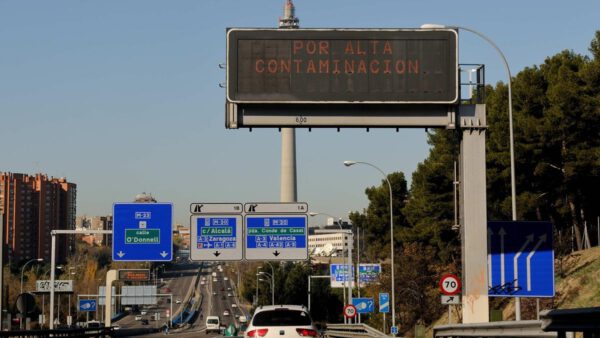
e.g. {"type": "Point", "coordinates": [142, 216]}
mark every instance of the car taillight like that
{"type": "Point", "coordinates": [306, 332]}
{"type": "Point", "coordinates": [258, 333]}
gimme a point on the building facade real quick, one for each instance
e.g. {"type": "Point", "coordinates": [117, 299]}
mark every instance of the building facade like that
{"type": "Point", "coordinates": [31, 207]}
{"type": "Point", "coordinates": [330, 242]}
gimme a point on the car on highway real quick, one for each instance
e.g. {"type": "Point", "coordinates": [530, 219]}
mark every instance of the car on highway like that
{"type": "Point", "coordinates": [235, 305]}
{"type": "Point", "coordinates": [229, 289]}
{"type": "Point", "coordinates": [213, 324]}
{"type": "Point", "coordinates": [144, 312]}
{"type": "Point", "coordinates": [178, 301]}
{"type": "Point", "coordinates": [145, 321]}
{"type": "Point", "coordinates": [229, 294]}
{"type": "Point", "coordinates": [281, 320]}
{"type": "Point", "coordinates": [227, 278]}
{"type": "Point", "coordinates": [225, 313]}
{"type": "Point", "coordinates": [138, 317]}
{"type": "Point", "coordinates": [215, 292]}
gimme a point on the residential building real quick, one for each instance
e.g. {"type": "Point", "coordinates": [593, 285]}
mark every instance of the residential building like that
{"type": "Point", "coordinates": [33, 206]}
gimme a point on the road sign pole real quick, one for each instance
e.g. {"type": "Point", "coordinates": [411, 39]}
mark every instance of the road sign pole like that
{"type": "Point", "coordinates": [473, 210]}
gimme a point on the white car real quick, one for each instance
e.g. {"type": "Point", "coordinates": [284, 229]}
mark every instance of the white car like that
{"type": "Point", "coordinates": [227, 278]}
{"type": "Point", "coordinates": [138, 317]}
{"type": "Point", "coordinates": [234, 305]}
{"type": "Point", "coordinates": [143, 312]}
{"type": "Point", "coordinates": [225, 313]}
{"type": "Point", "coordinates": [213, 324]}
{"type": "Point", "coordinates": [275, 321]}
{"type": "Point", "coordinates": [178, 301]}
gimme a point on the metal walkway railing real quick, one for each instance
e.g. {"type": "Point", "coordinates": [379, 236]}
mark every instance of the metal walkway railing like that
{"type": "Point", "coordinates": [352, 331]}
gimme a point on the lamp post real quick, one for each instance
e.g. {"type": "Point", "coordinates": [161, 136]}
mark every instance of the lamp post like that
{"type": "Point", "coordinates": [513, 189]}
{"type": "Point", "coordinates": [344, 256]}
{"type": "Point", "coordinates": [23, 269]}
{"type": "Point", "coordinates": [272, 278]}
{"type": "Point", "coordinates": [393, 300]}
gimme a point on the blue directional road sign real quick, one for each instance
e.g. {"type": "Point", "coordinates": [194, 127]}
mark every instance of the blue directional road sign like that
{"type": "Point", "coordinates": [394, 330]}
{"type": "Point", "coordinates": [364, 305]}
{"type": "Point", "coordinates": [520, 259]}
{"type": "Point", "coordinates": [216, 238]}
{"type": "Point", "coordinates": [384, 302]}
{"type": "Point", "coordinates": [368, 273]}
{"type": "Point", "coordinates": [88, 305]}
{"type": "Point", "coordinates": [276, 237]}
{"type": "Point", "coordinates": [142, 232]}
{"type": "Point", "coordinates": [339, 275]}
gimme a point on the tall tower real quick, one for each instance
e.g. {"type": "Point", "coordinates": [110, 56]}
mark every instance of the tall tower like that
{"type": "Point", "coordinates": [289, 19]}
{"type": "Point", "coordinates": [288, 188]}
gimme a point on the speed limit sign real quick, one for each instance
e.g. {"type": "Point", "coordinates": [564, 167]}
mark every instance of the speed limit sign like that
{"type": "Point", "coordinates": [349, 311]}
{"type": "Point", "coordinates": [450, 284]}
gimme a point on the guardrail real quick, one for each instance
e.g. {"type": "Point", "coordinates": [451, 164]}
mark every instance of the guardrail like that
{"type": "Point", "coordinates": [523, 328]}
{"type": "Point", "coordinates": [352, 331]}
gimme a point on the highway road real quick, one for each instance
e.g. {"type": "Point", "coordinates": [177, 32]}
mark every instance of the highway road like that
{"type": "Point", "coordinates": [176, 281]}
{"type": "Point", "coordinates": [217, 296]}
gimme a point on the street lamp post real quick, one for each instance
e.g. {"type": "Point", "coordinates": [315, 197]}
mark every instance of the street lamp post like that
{"type": "Point", "coordinates": [344, 257]}
{"type": "Point", "coordinates": [272, 278]}
{"type": "Point", "coordinates": [393, 301]}
{"type": "Point", "coordinates": [23, 269]}
{"type": "Point", "coordinates": [513, 189]}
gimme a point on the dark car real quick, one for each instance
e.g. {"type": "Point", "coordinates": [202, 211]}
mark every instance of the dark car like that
{"type": "Point", "coordinates": [145, 322]}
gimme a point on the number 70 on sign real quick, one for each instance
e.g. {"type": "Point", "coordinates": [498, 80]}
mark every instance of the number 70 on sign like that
{"type": "Point", "coordinates": [450, 284]}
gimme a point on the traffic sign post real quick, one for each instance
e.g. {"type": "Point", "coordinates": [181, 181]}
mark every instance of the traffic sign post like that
{"type": "Point", "coordinates": [368, 273]}
{"type": "Point", "coordinates": [450, 300]}
{"type": "Point", "coordinates": [364, 305]}
{"type": "Point", "coordinates": [384, 302]}
{"type": "Point", "coordinates": [216, 231]}
{"type": "Point", "coordinates": [394, 330]}
{"type": "Point", "coordinates": [349, 311]}
{"type": "Point", "coordinates": [450, 284]}
{"type": "Point", "coordinates": [276, 231]}
{"type": "Point", "coordinates": [520, 259]}
{"type": "Point", "coordinates": [142, 232]}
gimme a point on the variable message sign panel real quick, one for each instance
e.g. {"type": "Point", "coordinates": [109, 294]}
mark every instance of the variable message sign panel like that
{"type": "Point", "coordinates": [342, 66]}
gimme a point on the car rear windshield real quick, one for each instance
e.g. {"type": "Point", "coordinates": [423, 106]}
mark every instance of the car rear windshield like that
{"type": "Point", "coordinates": [213, 321]}
{"type": "Point", "coordinates": [281, 317]}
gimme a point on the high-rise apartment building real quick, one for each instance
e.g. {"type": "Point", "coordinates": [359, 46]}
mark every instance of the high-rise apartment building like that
{"type": "Point", "coordinates": [33, 206]}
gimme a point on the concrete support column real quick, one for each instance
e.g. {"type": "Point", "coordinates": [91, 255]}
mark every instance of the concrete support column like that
{"type": "Point", "coordinates": [473, 214]}
{"type": "Point", "coordinates": [288, 165]}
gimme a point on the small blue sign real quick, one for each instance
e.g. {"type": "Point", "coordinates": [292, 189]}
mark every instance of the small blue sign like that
{"type": "Point", "coordinates": [142, 232]}
{"type": "Point", "coordinates": [364, 305]}
{"type": "Point", "coordinates": [339, 275]}
{"type": "Point", "coordinates": [384, 302]}
{"type": "Point", "coordinates": [520, 259]}
{"type": "Point", "coordinates": [394, 330]}
{"type": "Point", "coordinates": [368, 273]}
{"type": "Point", "coordinates": [88, 305]}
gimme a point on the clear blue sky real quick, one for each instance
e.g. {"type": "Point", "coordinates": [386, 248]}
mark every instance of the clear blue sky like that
{"type": "Point", "coordinates": [122, 97]}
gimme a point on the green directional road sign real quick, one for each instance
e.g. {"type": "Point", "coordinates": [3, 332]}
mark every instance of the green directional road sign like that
{"type": "Point", "coordinates": [142, 236]}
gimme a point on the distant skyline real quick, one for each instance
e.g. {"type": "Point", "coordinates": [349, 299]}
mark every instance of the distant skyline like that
{"type": "Point", "coordinates": [123, 97]}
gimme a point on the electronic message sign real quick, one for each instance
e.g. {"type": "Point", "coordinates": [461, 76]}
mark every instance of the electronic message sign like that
{"type": "Point", "coordinates": [342, 66]}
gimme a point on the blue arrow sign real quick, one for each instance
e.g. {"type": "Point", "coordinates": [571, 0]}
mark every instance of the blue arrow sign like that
{"type": "Point", "coordinates": [364, 305]}
{"type": "Point", "coordinates": [394, 330]}
{"type": "Point", "coordinates": [520, 259]}
{"type": "Point", "coordinates": [142, 232]}
{"type": "Point", "coordinates": [88, 305]}
{"type": "Point", "coordinates": [384, 302]}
